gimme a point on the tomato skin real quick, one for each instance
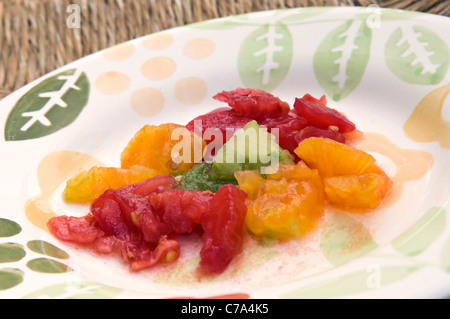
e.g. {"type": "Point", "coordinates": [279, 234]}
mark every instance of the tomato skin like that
{"type": "Point", "coordinates": [223, 229]}
{"type": "Point", "coordinates": [322, 116]}
{"type": "Point", "coordinates": [312, 131]}
{"type": "Point", "coordinates": [74, 229]}
{"type": "Point", "coordinates": [253, 103]}
{"type": "Point", "coordinates": [309, 97]}
{"type": "Point", "coordinates": [288, 125]}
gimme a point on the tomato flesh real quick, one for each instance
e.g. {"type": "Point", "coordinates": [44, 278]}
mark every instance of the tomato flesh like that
{"type": "Point", "coordinates": [223, 227]}
{"type": "Point", "coordinates": [136, 221]}
{"type": "Point", "coordinates": [253, 103]}
{"type": "Point", "coordinates": [322, 116]}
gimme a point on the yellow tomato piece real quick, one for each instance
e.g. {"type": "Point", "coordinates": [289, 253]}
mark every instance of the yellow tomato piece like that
{"type": "Point", "coordinates": [285, 204]}
{"type": "Point", "coordinates": [250, 182]}
{"type": "Point", "coordinates": [89, 185]}
{"type": "Point", "coordinates": [162, 147]}
{"type": "Point", "coordinates": [287, 209]}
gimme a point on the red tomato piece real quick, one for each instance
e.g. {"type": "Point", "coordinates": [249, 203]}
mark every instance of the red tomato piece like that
{"type": "Point", "coordinates": [166, 251]}
{"type": "Point", "coordinates": [108, 216]}
{"type": "Point", "coordinates": [253, 103]}
{"type": "Point", "coordinates": [75, 229]}
{"type": "Point", "coordinates": [309, 97]}
{"type": "Point", "coordinates": [312, 131]}
{"type": "Point", "coordinates": [134, 222]}
{"type": "Point", "coordinates": [220, 121]}
{"type": "Point", "coordinates": [288, 125]}
{"type": "Point", "coordinates": [179, 209]}
{"type": "Point", "coordinates": [322, 116]}
{"type": "Point", "coordinates": [132, 209]}
{"type": "Point", "coordinates": [217, 127]}
{"type": "Point", "coordinates": [223, 229]}
{"type": "Point", "coordinates": [152, 184]}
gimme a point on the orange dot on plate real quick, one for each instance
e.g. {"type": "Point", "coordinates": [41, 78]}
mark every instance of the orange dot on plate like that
{"type": "Point", "coordinates": [199, 48]}
{"type": "Point", "coordinates": [147, 102]}
{"type": "Point", "coordinates": [112, 82]}
{"type": "Point", "coordinates": [190, 90]}
{"type": "Point", "coordinates": [157, 41]}
{"type": "Point", "coordinates": [158, 68]}
{"type": "Point", "coordinates": [119, 52]}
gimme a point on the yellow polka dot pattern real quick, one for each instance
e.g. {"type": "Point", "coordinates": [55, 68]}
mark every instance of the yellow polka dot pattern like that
{"type": "Point", "coordinates": [148, 101]}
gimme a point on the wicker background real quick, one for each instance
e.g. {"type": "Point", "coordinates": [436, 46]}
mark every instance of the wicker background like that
{"type": "Point", "coordinates": [35, 39]}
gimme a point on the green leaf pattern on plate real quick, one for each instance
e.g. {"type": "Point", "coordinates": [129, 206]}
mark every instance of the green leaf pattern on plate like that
{"type": "Point", "coordinates": [422, 234]}
{"type": "Point", "coordinates": [343, 238]}
{"type": "Point", "coordinates": [10, 252]}
{"type": "Point", "coordinates": [49, 106]}
{"type": "Point", "coordinates": [341, 58]}
{"type": "Point", "coordinates": [10, 277]}
{"type": "Point", "coordinates": [9, 228]}
{"type": "Point", "coordinates": [413, 53]}
{"type": "Point", "coordinates": [45, 248]}
{"type": "Point", "coordinates": [340, 231]}
{"type": "Point", "coordinates": [445, 256]}
{"type": "Point", "coordinates": [265, 56]}
{"type": "Point", "coordinates": [48, 266]}
{"type": "Point", "coordinates": [417, 55]}
{"type": "Point", "coordinates": [353, 283]}
{"type": "Point", "coordinates": [75, 290]}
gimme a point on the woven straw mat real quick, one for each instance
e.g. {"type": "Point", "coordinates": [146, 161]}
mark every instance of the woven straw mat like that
{"type": "Point", "coordinates": [34, 37]}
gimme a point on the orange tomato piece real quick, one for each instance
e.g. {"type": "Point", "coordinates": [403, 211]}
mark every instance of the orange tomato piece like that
{"type": "Point", "coordinates": [157, 147]}
{"type": "Point", "coordinates": [362, 191]}
{"type": "Point", "coordinates": [350, 176]}
{"type": "Point", "coordinates": [88, 185]}
{"type": "Point", "coordinates": [298, 171]}
{"type": "Point", "coordinates": [332, 158]}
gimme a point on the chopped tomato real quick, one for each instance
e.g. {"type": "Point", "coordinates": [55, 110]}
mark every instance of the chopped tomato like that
{"type": "Point", "coordinates": [312, 131]}
{"type": "Point", "coordinates": [309, 97]}
{"type": "Point", "coordinates": [253, 103]}
{"type": "Point", "coordinates": [152, 147]}
{"type": "Point", "coordinates": [322, 116]}
{"type": "Point", "coordinates": [89, 185]}
{"type": "Point", "coordinates": [76, 229]}
{"type": "Point", "coordinates": [135, 221]}
{"type": "Point", "coordinates": [288, 125]}
{"type": "Point", "coordinates": [223, 229]}
{"type": "Point", "coordinates": [224, 120]}
{"type": "Point", "coordinates": [351, 177]}
{"type": "Point", "coordinates": [287, 204]}
{"type": "Point", "coordinates": [217, 127]}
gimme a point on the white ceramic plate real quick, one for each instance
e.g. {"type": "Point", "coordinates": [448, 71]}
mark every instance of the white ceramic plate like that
{"type": "Point", "coordinates": [387, 70]}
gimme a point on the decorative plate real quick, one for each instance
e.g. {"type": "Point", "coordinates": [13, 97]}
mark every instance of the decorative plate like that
{"type": "Point", "coordinates": [386, 69]}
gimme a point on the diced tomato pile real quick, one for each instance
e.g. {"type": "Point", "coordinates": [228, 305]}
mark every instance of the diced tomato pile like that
{"type": "Point", "coordinates": [136, 222]}
{"type": "Point", "coordinates": [142, 207]}
{"type": "Point", "coordinates": [309, 117]}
